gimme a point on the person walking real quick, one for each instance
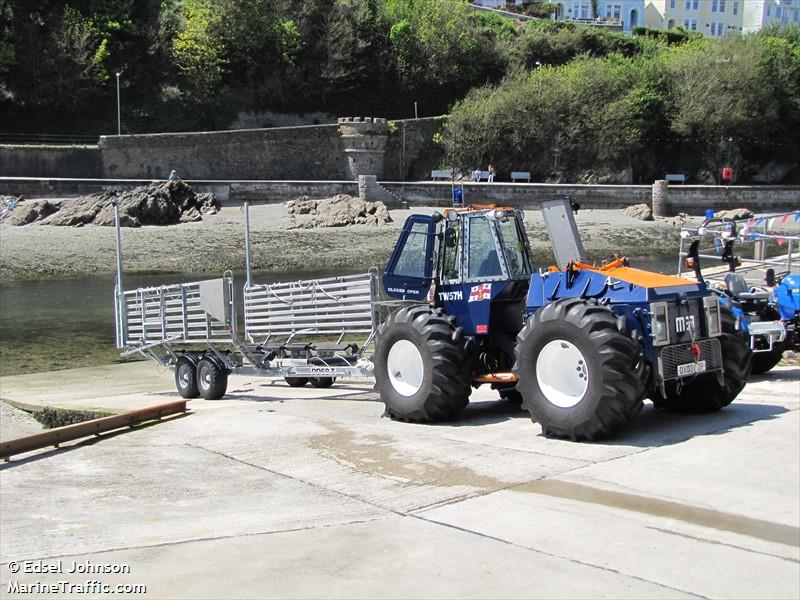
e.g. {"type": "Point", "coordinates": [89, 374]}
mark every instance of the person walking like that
{"type": "Point", "coordinates": [491, 172]}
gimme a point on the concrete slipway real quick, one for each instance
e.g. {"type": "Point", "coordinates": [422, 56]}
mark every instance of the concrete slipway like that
{"type": "Point", "coordinates": [280, 492]}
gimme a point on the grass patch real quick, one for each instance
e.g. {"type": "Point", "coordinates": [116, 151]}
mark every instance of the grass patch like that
{"type": "Point", "coordinates": [59, 417]}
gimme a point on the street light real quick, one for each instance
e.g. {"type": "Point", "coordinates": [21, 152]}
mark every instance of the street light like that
{"type": "Point", "coordinates": [119, 117]}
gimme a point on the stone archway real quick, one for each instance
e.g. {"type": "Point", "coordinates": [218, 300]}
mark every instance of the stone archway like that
{"type": "Point", "coordinates": [634, 19]}
{"type": "Point", "coordinates": [671, 24]}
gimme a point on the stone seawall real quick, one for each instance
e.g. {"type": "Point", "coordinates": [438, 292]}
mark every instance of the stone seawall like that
{"type": "Point", "coordinates": [681, 198]}
{"type": "Point", "coordinates": [310, 152]}
{"type": "Point", "coordinates": [38, 161]}
{"type": "Point", "coordinates": [313, 152]}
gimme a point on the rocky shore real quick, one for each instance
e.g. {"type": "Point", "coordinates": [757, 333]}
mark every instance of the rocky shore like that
{"type": "Point", "coordinates": [216, 243]}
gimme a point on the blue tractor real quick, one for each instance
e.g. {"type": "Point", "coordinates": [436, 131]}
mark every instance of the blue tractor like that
{"type": "Point", "coordinates": [579, 346]}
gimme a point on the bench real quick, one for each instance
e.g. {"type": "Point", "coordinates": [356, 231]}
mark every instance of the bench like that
{"type": "Point", "coordinates": [441, 174]}
{"type": "Point", "coordinates": [675, 177]}
{"type": "Point", "coordinates": [521, 176]}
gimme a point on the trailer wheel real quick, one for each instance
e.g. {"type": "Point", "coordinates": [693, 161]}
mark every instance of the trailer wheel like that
{"type": "Point", "coordinates": [212, 380]}
{"type": "Point", "coordinates": [705, 394]}
{"type": "Point", "coordinates": [764, 361]}
{"type": "Point", "coordinates": [580, 377]}
{"type": "Point", "coordinates": [296, 381]}
{"type": "Point", "coordinates": [422, 370]}
{"type": "Point", "coordinates": [322, 382]}
{"type": "Point", "coordinates": [186, 376]}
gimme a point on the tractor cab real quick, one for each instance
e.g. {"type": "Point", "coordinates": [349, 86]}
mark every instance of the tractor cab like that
{"type": "Point", "coordinates": [474, 262]}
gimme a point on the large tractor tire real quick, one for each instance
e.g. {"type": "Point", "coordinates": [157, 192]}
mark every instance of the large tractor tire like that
{"type": "Point", "coordinates": [580, 377]}
{"type": "Point", "coordinates": [422, 371]}
{"type": "Point", "coordinates": [705, 394]}
{"type": "Point", "coordinates": [212, 379]}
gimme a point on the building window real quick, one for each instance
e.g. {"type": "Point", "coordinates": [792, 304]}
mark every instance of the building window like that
{"type": "Point", "coordinates": [690, 24]}
{"type": "Point", "coordinates": [672, 3]}
{"type": "Point", "coordinates": [722, 6]}
{"type": "Point", "coordinates": [613, 11]}
{"type": "Point", "coordinates": [695, 4]}
{"type": "Point", "coordinates": [736, 8]}
{"type": "Point", "coordinates": [687, 5]}
{"type": "Point", "coordinates": [769, 10]}
{"type": "Point", "coordinates": [714, 5]}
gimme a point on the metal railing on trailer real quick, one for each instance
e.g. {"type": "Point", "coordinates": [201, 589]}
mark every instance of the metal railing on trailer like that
{"type": "Point", "coordinates": [316, 328]}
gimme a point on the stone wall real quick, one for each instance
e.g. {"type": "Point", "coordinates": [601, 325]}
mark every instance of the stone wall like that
{"type": "Point", "coordinates": [309, 152]}
{"type": "Point", "coordinates": [38, 161]}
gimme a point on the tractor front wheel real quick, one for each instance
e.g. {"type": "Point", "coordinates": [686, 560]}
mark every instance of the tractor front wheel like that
{"type": "Point", "coordinates": [422, 371]}
{"type": "Point", "coordinates": [579, 376]}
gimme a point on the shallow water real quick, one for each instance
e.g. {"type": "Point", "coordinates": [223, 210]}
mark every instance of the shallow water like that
{"type": "Point", "coordinates": [63, 323]}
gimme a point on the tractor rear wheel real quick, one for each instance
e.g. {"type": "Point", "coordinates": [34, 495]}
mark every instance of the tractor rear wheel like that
{"type": "Point", "coordinates": [422, 370]}
{"type": "Point", "coordinates": [705, 394]}
{"type": "Point", "coordinates": [580, 377]}
{"type": "Point", "coordinates": [212, 379]}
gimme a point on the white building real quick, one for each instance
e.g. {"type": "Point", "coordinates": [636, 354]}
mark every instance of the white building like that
{"type": "Point", "coordinates": [758, 14]}
{"type": "Point", "coordinates": [494, 3]}
{"type": "Point", "coordinates": [718, 18]}
{"type": "Point", "coordinates": [627, 13]}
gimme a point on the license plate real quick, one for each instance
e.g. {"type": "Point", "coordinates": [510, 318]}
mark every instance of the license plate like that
{"type": "Point", "coordinates": [691, 368]}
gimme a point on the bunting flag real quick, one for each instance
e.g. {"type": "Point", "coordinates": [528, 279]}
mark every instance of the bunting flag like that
{"type": "Point", "coordinates": [771, 223]}
{"type": "Point", "coordinates": [785, 218]}
{"type": "Point", "coordinates": [780, 241]}
{"type": "Point", "coordinates": [760, 221]}
{"type": "Point", "coordinates": [750, 223]}
{"type": "Point", "coordinates": [797, 216]}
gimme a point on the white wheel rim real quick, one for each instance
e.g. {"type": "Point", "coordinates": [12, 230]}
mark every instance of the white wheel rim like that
{"type": "Point", "coordinates": [185, 376]}
{"type": "Point", "coordinates": [562, 373]}
{"type": "Point", "coordinates": [405, 367]}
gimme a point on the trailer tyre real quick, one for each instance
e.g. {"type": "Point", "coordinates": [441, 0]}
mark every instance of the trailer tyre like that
{"type": "Point", "coordinates": [296, 381]}
{"type": "Point", "coordinates": [322, 382]}
{"type": "Point", "coordinates": [422, 370]}
{"type": "Point", "coordinates": [580, 377]}
{"type": "Point", "coordinates": [186, 376]}
{"type": "Point", "coordinates": [212, 379]}
{"type": "Point", "coordinates": [705, 394]}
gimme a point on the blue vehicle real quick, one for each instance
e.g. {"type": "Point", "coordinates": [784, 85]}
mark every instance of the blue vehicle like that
{"type": "Point", "coordinates": [769, 314]}
{"type": "Point", "coordinates": [579, 346]}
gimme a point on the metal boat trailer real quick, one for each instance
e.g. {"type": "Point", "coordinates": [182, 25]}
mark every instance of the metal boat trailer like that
{"type": "Point", "coordinates": [302, 331]}
{"type": "Point", "coordinates": [739, 277]}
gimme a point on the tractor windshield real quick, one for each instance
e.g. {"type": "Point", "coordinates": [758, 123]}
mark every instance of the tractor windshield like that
{"type": "Point", "coordinates": [519, 263]}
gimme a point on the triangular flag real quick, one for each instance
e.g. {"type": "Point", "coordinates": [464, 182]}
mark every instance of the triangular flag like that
{"type": "Point", "coordinates": [780, 241]}
{"type": "Point", "coordinates": [785, 218]}
{"type": "Point", "coordinates": [797, 216]}
{"type": "Point", "coordinates": [760, 220]}
{"type": "Point", "coordinates": [771, 224]}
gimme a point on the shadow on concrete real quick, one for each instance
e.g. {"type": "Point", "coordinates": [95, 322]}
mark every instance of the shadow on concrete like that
{"type": "Point", "coordinates": [653, 427]}
{"type": "Point", "coordinates": [783, 375]}
{"type": "Point", "coordinates": [649, 428]}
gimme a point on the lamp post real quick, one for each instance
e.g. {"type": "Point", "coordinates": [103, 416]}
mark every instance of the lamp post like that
{"type": "Point", "coordinates": [119, 117]}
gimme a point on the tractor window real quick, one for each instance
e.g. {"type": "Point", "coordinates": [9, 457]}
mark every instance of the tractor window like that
{"type": "Point", "coordinates": [411, 262]}
{"type": "Point", "coordinates": [452, 250]}
{"type": "Point", "coordinates": [518, 261]}
{"type": "Point", "coordinates": [483, 260]}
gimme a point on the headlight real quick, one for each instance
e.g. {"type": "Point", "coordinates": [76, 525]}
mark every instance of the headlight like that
{"type": "Point", "coordinates": [658, 323]}
{"type": "Point", "coordinates": [713, 318]}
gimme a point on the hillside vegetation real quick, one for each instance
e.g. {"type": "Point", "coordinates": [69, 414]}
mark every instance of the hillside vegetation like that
{"type": "Point", "coordinates": [564, 101]}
